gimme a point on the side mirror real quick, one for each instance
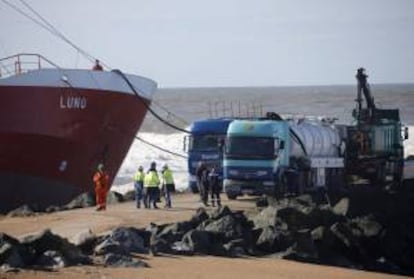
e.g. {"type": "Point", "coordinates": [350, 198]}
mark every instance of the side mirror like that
{"type": "Point", "coordinates": [282, 145]}
{"type": "Point", "coordinates": [405, 133]}
{"type": "Point", "coordinates": [220, 145]}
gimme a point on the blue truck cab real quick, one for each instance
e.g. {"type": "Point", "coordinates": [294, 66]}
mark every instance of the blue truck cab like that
{"type": "Point", "coordinates": [205, 144]}
{"type": "Point", "coordinates": [254, 151]}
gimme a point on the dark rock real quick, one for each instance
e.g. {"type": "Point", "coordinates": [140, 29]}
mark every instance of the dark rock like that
{"type": "Point", "coordinates": [262, 202]}
{"type": "Point", "coordinates": [83, 200]}
{"type": "Point", "coordinates": [182, 248]}
{"type": "Point", "coordinates": [159, 245]}
{"type": "Point", "coordinates": [22, 211]}
{"type": "Point", "coordinates": [241, 219]}
{"type": "Point", "coordinates": [227, 225]}
{"type": "Point", "coordinates": [109, 246]}
{"type": "Point", "coordinates": [86, 241]}
{"type": "Point", "coordinates": [129, 196]}
{"type": "Point", "coordinates": [328, 251]}
{"type": "Point", "coordinates": [155, 229]}
{"type": "Point", "coordinates": [174, 232]}
{"type": "Point", "coordinates": [130, 238]}
{"type": "Point", "coordinates": [266, 217]}
{"type": "Point", "coordinates": [322, 215]}
{"type": "Point", "coordinates": [304, 246]}
{"type": "Point", "coordinates": [306, 200]}
{"type": "Point", "coordinates": [347, 243]}
{"type": "Point", "coordinates": [116, 260]}
{"type": "Point", "coordinates": [198, 241]}
{"type": "Point", "coordinates": [51, 260]}
{"type": "Point", "coordinates": [5, 238]}
{"type": "Point", "coordinates": [294, 217]}
{"type": "Point", "coordinates": [286, 240]}
{"type": "Point", "coordinates": [220, 212]}
{"type": "Point", "coordinates": [145, 235]}
{"type": "Point", "coordinates": [235, 248]}
{"type": "Point", "coordinates": [114, 197]}
{"type": "Point", "coordinates": [341, 207]}
{"type": "Point", "coordinates": [122, 241]}
{"type": "Point", "coordinates": [320, 234]}
{"type": "Point", "coordinates": [200, 216]}
{"type": "Point", "coordinates": [368, 226]}
{"type": "Point", "coordinates": [46, 240]}
{"type": "Point", "coordinates": [365, 201]}
{"type": "Point", "coordinates": [268, 240]}
{"type": "Point", "coordinates": [12, 253]}
{"type": "Point", "coordinates": [10, 256]}
{"type": "Point", "coordinates": [302, 213]}
{"type": "Point", "coordinates": [398, 247]}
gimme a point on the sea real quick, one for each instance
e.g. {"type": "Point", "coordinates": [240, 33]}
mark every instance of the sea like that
{"type": "Point", "coordinates": [182, 106]}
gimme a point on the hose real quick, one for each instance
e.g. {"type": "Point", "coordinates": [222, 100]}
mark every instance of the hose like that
{"type": "Point", "coordinates": [145, 103]}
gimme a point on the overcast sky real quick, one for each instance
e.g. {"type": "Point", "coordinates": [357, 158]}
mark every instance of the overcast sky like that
{"type": "Point", "coordinates": [186, 43]}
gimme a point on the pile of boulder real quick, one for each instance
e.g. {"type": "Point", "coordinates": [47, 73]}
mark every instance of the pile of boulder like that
{"type": "Point", "coordinates": [48, 251]}
{"type": "Point", "coordinates": [45, 250]}
{"type": "Point", "coordinates": [83, 200]}
{"type": "Point", "coordinates": [369, 230]}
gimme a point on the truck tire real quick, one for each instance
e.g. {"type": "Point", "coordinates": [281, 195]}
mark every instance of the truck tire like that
{"type": "Point", "coordinates": [194, 189]}
{"type": "Point", "coordinates": [231, 196]}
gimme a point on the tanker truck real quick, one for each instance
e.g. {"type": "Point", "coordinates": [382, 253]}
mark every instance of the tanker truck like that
{"type": "Point", "coordinates": [278, 156]}
{"type": "Point", "coordinates": [271, 156]}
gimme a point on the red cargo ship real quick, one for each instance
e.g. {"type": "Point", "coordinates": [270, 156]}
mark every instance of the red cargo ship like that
{"type": "Point", "coordinates": [57, 124]}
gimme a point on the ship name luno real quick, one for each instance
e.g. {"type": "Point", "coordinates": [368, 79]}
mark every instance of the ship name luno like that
{"type": "Point", "coordinates": [71, 102]}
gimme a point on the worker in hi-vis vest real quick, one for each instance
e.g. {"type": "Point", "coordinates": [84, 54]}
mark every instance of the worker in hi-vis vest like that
{"type": "Point", "coordinates": [167, 185]}
{"type": "Point", "coordinates": [151, 185]}
{"type": "Point", "coordinates": [139, 185]}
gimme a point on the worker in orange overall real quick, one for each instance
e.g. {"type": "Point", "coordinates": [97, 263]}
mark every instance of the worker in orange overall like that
{"type": "Point", "coordinates": [101, 180]}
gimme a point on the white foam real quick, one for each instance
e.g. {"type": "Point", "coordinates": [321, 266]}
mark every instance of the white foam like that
{"type": "Point", "coordinates": [143, 154]}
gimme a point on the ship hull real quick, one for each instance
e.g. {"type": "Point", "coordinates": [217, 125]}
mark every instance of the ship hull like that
{"type": "Point", "coordinates": [52, 139]}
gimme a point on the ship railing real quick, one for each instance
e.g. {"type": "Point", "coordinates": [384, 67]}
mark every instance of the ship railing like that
{"type": "Point", "coordinates": [22, 63]}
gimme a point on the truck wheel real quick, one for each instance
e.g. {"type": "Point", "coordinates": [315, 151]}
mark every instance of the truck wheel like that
{"type": "Point", "coordinates": [194, 190]}
{"type": "Point", "coordinates": [231, 196]}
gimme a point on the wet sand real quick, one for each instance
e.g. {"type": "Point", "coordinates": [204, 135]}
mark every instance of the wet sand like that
{"type": "Point", "coordinates": [69, 223]}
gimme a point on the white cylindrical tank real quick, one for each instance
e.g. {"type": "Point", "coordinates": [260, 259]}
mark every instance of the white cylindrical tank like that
{"type": "Point", "coordinates": [319, 139]}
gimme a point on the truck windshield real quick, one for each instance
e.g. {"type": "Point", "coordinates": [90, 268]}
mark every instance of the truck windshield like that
{"type": "Point", "coordinates": [250, 147]}
{"type": "Point", "coordinates": [206, 142]}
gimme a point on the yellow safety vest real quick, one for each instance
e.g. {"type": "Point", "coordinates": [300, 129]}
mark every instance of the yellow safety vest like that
{"type": "Point", "coordinates": [139, 176]}
{"type": "Point", "coordinates": [151, 179]}
{"type": "Point", "coordinates": [168, 177]}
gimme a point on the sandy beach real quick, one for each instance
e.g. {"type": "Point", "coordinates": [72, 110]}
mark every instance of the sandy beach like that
{"type": "Point", "coordinates": [70, 223]}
